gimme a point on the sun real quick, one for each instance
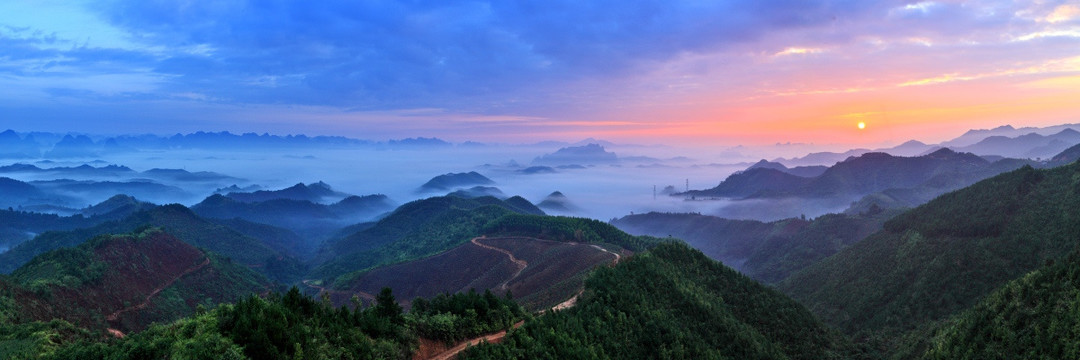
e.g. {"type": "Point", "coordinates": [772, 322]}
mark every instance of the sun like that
{"type": "Point", "coordinates": [861, 125]}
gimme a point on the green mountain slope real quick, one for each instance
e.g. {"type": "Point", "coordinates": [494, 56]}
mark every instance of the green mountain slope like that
{"type": "Point", "coordinates": [176, 220]}
{"type": "Point", "coordinates": [942, 257]}
{"type": "Point", "coordinates": [125, 282]}
{"type": "Point", "coordinates": [1033, 317]}
{"type": "Point", "coordinates": [672, 302]}
{"type": "Point", "coordinates": [417, 229]}
{"type": "Point", "coordinates": [768, 252]}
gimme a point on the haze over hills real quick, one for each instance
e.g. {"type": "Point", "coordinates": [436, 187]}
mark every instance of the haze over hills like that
{"type": "Point", "coordinates": [796, 180]}
{"type": "Point", "coordinates": [327, 242]}
{"type": "Point", "coordinates": [872, 178]}
{"type": "Point", "coordinates": [942, 257]}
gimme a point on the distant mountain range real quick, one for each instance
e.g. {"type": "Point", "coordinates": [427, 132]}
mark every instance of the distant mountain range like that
{"type": "Point", "coordinates": [909, 180]}
{"type": "Point", "coordinates": [591, 154]}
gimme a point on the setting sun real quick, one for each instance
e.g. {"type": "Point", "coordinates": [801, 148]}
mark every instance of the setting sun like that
{"type": "Point", "coordinates": [862, 125]}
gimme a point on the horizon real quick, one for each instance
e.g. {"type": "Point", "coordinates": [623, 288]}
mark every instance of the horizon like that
{"type": "Point", "coordinates": [675, 73]}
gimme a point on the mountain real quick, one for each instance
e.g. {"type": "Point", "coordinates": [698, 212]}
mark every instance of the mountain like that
{"type": "Point", "coordinates": [940, 258]}
{"type": "Point", "coordinates": [976, 135]}
{"type": "Point", "coordinates": [557, 202]}
{"type": "Point", "coordinates": [451, 181]}
{"type": "Point", "coordinates": [1031, 317]}
{"type": "Point", "coordinates": [825, 158]}
{"type": "Point", "coordinates": [754, 182]}
{"type": "Point", "coordinates": [1026, 146]}
{"type": "Point", "coordinates": [802, 171]}
{"type": "Point", "coordinates": [591, 154]}
{"type": "Point", "coordinates": [143, 189]}
{"type": "Point", "coordinates": [910, 148]}
{"type": "Point", "coordinates": [672, 302]}
{"type": "Point", "coordinates": [1066, 156]}
{"type": "Point", "coordinates": [178, 221]}
{"type": "Point", "coordinates": [279, 239]}
{"type": "Point", "coordinates": [318, 192]}
{"type": "Point", "coordinates": [416, 229]}
{"type": "Point", "coordinates": [895, 181]}
{"type": "Point", "coordinates": [765, 251]}
{"type": "Point", "coordinates": [181, 175]}
{"type": "Point", "coordinates": [313, 220]}
{"type": "Point", "coordinates": [532, 170]}
{"type": "Point", "coordinates": [13, 146]}
{"type": "Point", "coordinates": [479, 191]}
{"type": "Point", "coordinates": [539, 273]}
{"type": "Point", "coordinates": [117, 207]}
{"type": "Point", "coordinates": [126, 282]}
{"type": "Point", "coordinates": [79, 146]}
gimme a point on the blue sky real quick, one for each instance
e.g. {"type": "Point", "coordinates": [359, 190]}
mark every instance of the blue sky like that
{"type": "Point", "coordinates": [670, 71]}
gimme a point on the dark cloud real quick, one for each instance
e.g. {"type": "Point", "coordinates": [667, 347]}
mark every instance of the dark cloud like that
{"type": "Point", "coordinates": [454, 54]}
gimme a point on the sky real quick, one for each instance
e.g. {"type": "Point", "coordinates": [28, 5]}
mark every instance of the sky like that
{"type": "Point", "coordinates": [652, 72]}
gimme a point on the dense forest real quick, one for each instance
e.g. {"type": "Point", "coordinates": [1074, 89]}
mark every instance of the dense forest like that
{"type": "Point", "coordinates": [943, 257]}
{"type": "Point", "coordinates": [675, 303]}
{"type": "Point", "coordinates": [277, 326]}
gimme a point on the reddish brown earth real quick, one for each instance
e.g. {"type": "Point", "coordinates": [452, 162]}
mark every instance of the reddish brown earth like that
{"type": "Point", "coordinates": [542, 272]}
{"type": "Point", "coordinates": [436, 350]}
{"type": "Point", "coordinates": [128, 296]}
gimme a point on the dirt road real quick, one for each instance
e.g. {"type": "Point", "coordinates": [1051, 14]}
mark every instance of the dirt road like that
{"type": "Point", "coordinates": [495, 337]}
{"type": "Point", "coordinates": [521, 264]}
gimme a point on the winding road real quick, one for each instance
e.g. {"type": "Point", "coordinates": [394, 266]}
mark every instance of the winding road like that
{"type": "Point", "coordinates": [449, 354]}
{"type": "Point", "coordinates": [521, 264]}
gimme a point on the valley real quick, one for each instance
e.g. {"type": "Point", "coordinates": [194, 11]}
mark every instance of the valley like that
{"type": "Point", "coordinates": [925, 245]}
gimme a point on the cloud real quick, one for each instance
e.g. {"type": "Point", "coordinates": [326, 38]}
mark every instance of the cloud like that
{"type": "Point", "coordinates": [453, 54]}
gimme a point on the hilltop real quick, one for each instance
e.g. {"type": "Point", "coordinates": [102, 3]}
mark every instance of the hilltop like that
{"type": "Point", "coordinates": [126, 282]}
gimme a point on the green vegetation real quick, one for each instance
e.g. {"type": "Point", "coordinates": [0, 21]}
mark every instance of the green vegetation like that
{"type": "Point", "coordinates": [1033, 317]}
{"type": "Point", "coordinates": [279, 326]}
{"type": "Point", "coordinates": [460, 316]}
{"type": "Point", "coordinates": [178, 221]}
{"type": "Point", "coordinates": [768, 252]}
{"type": "Point", "coordinates": [417, 229]}
{"type": "Point", "coordinates": [567, 229]}
{"type": "Point", "coordinates": [942, 257]}
{"type": "Point", "coordinates": [108, 273]}
{"type": "Point", "coordinates": [672, 302]}
{"type": "Point", "coordinates": [36, 340]}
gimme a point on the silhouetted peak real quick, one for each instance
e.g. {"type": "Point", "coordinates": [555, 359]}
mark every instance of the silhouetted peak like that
{"type": "Point", "coordinates": [942, 152]}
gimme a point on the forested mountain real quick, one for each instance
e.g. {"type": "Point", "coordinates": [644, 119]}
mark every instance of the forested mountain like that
{"type": "Point", "coordinates": [768, 252]}
{"type": "Point", "coordinates": [802, 171]}
{"type": "Point", "coordinates": [1033, 317]}
{"type": "Point", "coordinates": [1030, 145]}
{"type": "Point", "coordinates": [451, 181]}
{"type": "Point", "coordinates": [176, 220]}
{"type": "Point", "coordinates": [124, 282]}
{"type": "Point", "coordinates": [313, 220]}
{"type": "Point", "coordinates": [878, 178]}
{"type": "Point", "coordinates": [672, 302]}
{"type": "Point", "coordinates": [318, 192]}
{"type": "Point", "coordinates": [539, 273]}
{"type": "Point", "coordinates": [942, 257]}
{"type": "Point", "coordinates": [557, 202]}
{"type": "Point", "coordinates": [416, 229]}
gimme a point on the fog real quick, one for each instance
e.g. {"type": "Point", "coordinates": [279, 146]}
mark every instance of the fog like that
{"type": "Point", "coordinates": [600, 191]}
